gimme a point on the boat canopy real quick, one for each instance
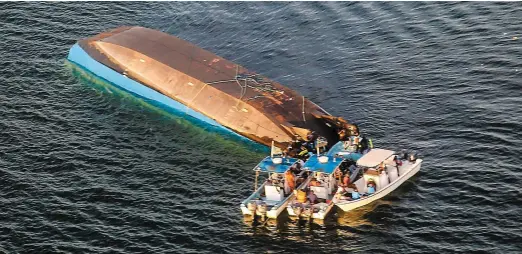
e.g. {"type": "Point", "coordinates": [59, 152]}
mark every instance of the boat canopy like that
{"type": "Point", "coordinates": [374, 157]}
{"type": "Point", "coordinates": [267, 165]}
{"type": "Point", "coordinates": [338, 149]}
{"type": "Point", "coordinates": [313, 164]}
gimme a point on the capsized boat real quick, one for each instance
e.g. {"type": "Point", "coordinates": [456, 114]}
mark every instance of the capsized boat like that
{"type": "Point", "coordinates": [271, 198]}
{"type": "Point", "coordinates": [182, 77]}
{"type": "Point", "coordinates": [326, 171]}
{"type": "Point", "coordinates": [383, 171]}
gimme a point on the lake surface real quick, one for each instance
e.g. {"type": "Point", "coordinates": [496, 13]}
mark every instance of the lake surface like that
{"type": "Point", "coordinates": [87, 170]}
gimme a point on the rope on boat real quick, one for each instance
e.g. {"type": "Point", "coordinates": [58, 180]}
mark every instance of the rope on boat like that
{"type": "Point", "coordinates": [243, 88]}
{"type": "Point", "coordinates": [190, 102]}
{"type": "Point", "coordinates": [268, 87]}
{"type": "Point", "coordinates": [304, 119]}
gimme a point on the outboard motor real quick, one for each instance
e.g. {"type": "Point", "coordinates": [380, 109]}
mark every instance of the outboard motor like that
{"type": "Point", "coordinates": [252, 206]}
{"type": "Point", "coordinates": [308, 211]}
{"type": "Point", "coordinates": [413, 157]}
{"type": "Point", "coordinates": [323, 208]}
{"type": "Point", "coordinates": [261, 210]}
{"type": "Point", "coordinates": [297, 210]}
{"type": "Point", "coordinates": [404, 155]}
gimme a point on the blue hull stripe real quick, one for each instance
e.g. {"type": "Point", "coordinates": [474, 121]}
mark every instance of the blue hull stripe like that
{"type": "Point", "coordinates": [80, 57]}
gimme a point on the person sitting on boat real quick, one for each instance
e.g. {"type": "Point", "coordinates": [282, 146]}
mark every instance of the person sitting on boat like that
{"type": "Point", "coordinates": [289, 182]}
{"type": "Point", "coordinates": [381, 167]}
{"type": "Point", "coordinates": [355, 194]}
{"type": "Point", "coordinates": [343, 135]}
{"type": "Point", "coordinates": [338, 174]}
{"type": "Point", "coordinates": [314, 182]}
{"type": "Point", "coordinates": [371, 188]}
{"type": "Point", "coordinates": [311, 136]}
{"type": "Point", "coordinates": [301, 196]}
{"type": "Point", "coordinates": [346, 180]}
{"type": "Point", "coordinates": [312, 197]}
{"type": "Point", "coordinates": [275, 179]}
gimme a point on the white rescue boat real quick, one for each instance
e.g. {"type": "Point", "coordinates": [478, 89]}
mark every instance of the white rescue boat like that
{"type": "Point", "coordinates": [384, 170]}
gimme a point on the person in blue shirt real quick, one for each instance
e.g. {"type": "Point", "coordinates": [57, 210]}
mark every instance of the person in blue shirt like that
{"type": "Point", "coordinates": [371, 188]}
{"type": "Point", "coordinates": [355, 194]}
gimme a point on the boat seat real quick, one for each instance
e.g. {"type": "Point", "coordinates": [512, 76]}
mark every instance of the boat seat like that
{"type": "Point", "coordinates": [274, 193]}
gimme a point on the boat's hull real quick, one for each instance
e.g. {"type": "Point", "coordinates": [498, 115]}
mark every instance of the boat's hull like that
{"type": "Point", "coordinates": [318, 215]}
{"type": "Point", "coordinates": [272, 213]}
{"type": "Point", "coordinates": [78, 56]}
{"type": "Point", "coordinates": [350, 205]}
{"type": "Point", "coordinates": [276, 211]}
{"type": "Point", "coordinates": [165, 69]}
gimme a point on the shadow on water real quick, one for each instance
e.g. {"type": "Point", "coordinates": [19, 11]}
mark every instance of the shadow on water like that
{"type": "Point", "coordinates": [195, 127]}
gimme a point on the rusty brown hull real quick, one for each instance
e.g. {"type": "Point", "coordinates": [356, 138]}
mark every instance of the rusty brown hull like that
{"type": "Point", "coordinates": [241, 100]}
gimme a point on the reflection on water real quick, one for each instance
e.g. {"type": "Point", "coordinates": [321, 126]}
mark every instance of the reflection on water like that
{"type": "Point", "coordinates": [359, 216]}
{"type": "Point", "coordinates": [207, 134]}
{"type": "Point", "coordinates": [336, 224]}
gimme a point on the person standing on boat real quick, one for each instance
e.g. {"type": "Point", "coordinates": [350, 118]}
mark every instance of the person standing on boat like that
{"type": "Point", "coordinates": [382, 167]}
{"type": "Point", "coordinates": [352, 168]}
{"type": "Point", "coordinates": [289, 182]}
{"type": "Point", "coordinates": [303, 154]}
{"type": "Point", "coordinates": [355, 131]}
{"type": "Point", "coordinates": [314, 182]}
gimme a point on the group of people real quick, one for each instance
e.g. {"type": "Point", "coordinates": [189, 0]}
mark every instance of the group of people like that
{"type": "Point", "coordinates": [306, 197]}
{"type": "Point", "coordinates": [303, 150]}
{"type": "Point", "coordinates": [294, 177]}
{"type": "Point", "coordinates": [359, 144]}
{"type": "Point", "coordinates": [347, 131]}
{"type": "Point", "coordinates": [355, 194]}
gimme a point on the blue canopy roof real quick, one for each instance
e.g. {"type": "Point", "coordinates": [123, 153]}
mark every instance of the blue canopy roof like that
{"type": "Point", "coordinates": [266, 165]}
{"type": "Point", "coordinates": [339, 149]}
{"type": "Point", "coordinates": [314, 165]}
